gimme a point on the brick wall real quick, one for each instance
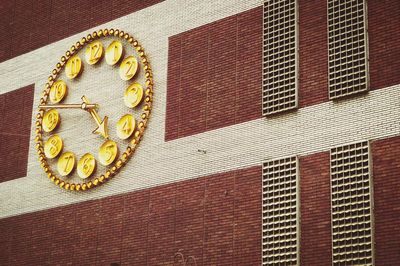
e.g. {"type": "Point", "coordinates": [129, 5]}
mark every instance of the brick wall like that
{"type": "Point", "coordinates": [384, 45]}
{"type": "Point", "coordinates": [386, 173]}
{"type": "Point", "coordinates": [214, 75]}
{"type": "Point", "coordinates": [315, 246]}
{"type": "Point", "coordinates": [216, 219]}
{"type": "Point", "coordinates": [313, 53]}
{"type": "Point", "coordinates": [15, 130]}
{"type": "Point", "coordinates": [23, 22]}
{"type": "Point", "coordinates": [213, 80]}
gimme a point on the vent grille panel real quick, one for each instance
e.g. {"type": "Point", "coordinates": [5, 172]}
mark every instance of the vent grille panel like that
{"type": "Point", "coordinates": [351, 205]}
{"type": "Point", "coordinates": [347, 48]}
{"type": "Point", "coordinates": [280, 56]}
{"type": "Point", "coordinates": [280, 212]}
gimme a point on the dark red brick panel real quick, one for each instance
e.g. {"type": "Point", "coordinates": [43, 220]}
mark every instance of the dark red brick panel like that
{"type": "Point", "coordinates": [221, 81]}
{"type": "Point", "coordinates": [386, 173]}
{"type": "Point", "coordinates": [64, 235]}
{"type": "Point", "coordinates": [384, 45]}
{"type": "Point", "coordinates": [27, 25]}
{"type": "Point", "coordinates": [15, 130]}
{"type": "Point", "coordinates": [109, 233]}
{"type": "Point", "coordinates": [248, 66]}
{"type": "Point", "coordinates": [135, 228]}
{"type": "Point", "coordinates": [315, 205]}
{"type": "Point", "coordinates": [21, 251]}
{"type": "Point", "coordinates": [87, 222]}
{"type": "Point", "coordinates": [214, 75]}
{"type": "Point", "coordinates": [313, 53]}
{"type": "Point", "coordinates": [214, 219]}
{"type": "Point", "coordinates": [161, 227]}
{"type": "Point", "coordinates": [39, 35]}
{"type": "Point", "coordinates": [6, 234]}
{"type": "Point", "coordinates": [189, 219]}
{"type": "Point", "coordinates": [247, 224]}
{"type": "Point", "coordinates": [6, 15]}
{"type": "Point", "coordinates": [219, 219]}
{"type": "Point", "coordinates": [193, 89]}
{"type": "Point", "coordinates": [174, 83]}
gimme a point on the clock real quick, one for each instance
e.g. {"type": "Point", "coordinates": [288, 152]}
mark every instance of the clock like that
{"type": "Point", "coordinates": [103, 123]}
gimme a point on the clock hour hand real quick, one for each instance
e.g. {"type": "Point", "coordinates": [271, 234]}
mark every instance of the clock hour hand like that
{"type": "Point", "coordinates": [83, 106]}
{"type": "Point", "coordinates": [102, 128]}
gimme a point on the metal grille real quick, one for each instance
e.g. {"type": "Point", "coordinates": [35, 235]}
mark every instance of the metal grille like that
{"type": "Point", "coordinates": [352, 238]}
{"type": "Point", "coordinates": [280, 244]}
{"type": "Point", "coordinates": [280, 56]}
{"type": "Point", "coordinates": [348, 59]}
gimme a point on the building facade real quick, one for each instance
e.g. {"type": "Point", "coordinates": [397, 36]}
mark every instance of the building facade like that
{"type": "Point", "coordinates": [274, 135]}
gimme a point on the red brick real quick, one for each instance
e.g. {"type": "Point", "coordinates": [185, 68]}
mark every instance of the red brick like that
{"type": "Point", "coordinates": [315, 205]}
{"type": "Point", "coordinates": [135, 230]}
{"type": "Point", "coordinates": [214, 219]}
{"type": "Point", "coordinates": [22, 27]}
{"type": "Point", "coordinates": [6, 17]}
{"type": "Point", "coordinates": [189, 217]}
{"type": "Point", "coordinates": [248, 66]}
{"type": "Point", "coordinates": [109, 233]}
{"type": "Point", "coordinates": [174, 83]}
{"type": "Point", "coordinates": [161, 227]}
{"type": "Point", "coordinates": [221, 74]}
{"type": "Point", "coordinates": [386, 172]}
{"type": "Point", "coordinates": [15, 129]}
{"type": "Point", "coordinates": [214, 75]}
{"type": "Point", "coordinates": [64, 236]}
{"type": "Point", "coordinates": [87, 222]}
{"type": "Point", "coordinates": [384, 47]}
{"type": "Point", "coordinates": [313, 53]}
{"type": "Point", "coordinates": [193, 95]}
{"type": "Point", "coordinates": [219, 219]}
{"type": "Point", "coordinates": [247, 217]}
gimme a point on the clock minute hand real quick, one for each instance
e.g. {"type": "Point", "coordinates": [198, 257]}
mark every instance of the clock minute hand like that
{"type": "Point", "coordinates": [102, 128]}
{"type": "Point", "coordinates": [83, 106]}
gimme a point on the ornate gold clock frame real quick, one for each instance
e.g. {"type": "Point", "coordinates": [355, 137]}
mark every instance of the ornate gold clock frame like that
{"type": "Point", "coordinates": [47, 117]}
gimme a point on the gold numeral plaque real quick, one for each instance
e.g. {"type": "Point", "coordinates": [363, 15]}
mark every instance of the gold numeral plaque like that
{"type": "Point", "coordinates": [108, 152]}
{"type": "Point", "coordinates": [125, 126]}
{"type": "Point", "coordinates": [53, 146]}
{"type": "Point", "coordinates": [51, 119]}
{"type": "Point", "coordinates": [73, 67]}
{"type": "Point", "coordinates": [94, 52]}
{"type": "Point", "coordinates": [133, 95]}
{"type": "Point", "coordinates": [86, 165]}
{"type": "Point", "coordinates": [114, 53]}
{"type": "Point", "coordinates": [58, 91]}
{"type": "Point", "coordinates": [128, 68]}
{"type": "Point", "coordinates": [66, 163]}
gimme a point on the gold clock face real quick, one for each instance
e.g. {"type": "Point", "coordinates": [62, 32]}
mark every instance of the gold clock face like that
{"type": "Point", "coordinates": [86, 133]}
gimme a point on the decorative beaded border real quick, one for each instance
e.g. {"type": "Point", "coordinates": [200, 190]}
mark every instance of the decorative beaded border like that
{"type": "Point", "coordinates": [146, 110]}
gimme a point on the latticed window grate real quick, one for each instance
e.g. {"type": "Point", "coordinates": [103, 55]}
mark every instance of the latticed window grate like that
{"type": "Point", "coordinates": [280, 244]}
{"type": "Point", "coordinates": [280, 56]}
{"type": "Point", "coordinates": [352, 238]}
{"type": "Point", "coordinates": [348, 59]}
